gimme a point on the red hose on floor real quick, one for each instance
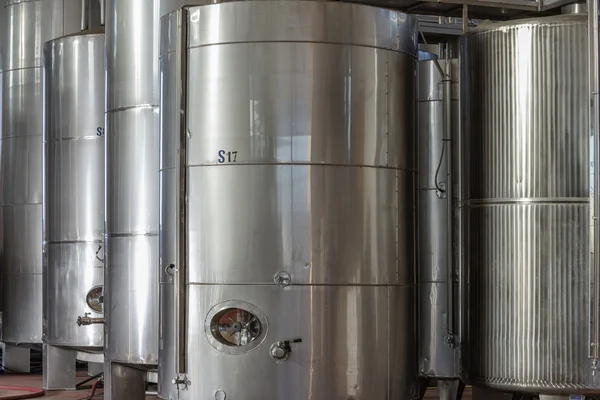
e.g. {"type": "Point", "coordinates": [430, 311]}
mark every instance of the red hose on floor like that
{"type": "Point", "coordinates": [30, 393]}
{"type": "Point", "coordinates": [92, 393]}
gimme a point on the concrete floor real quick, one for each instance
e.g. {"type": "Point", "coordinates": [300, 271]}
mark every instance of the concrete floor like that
{"type": "Point", "coordinates": [35, 381]}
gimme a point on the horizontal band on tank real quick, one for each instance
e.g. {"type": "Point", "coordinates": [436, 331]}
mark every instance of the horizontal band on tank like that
{"type": "Point", "coordinates": [533, 200]}
{"type": "Point", "coordinates": [15, 2]}
{"type": "Point", "coordinates": [71, 241]}
{"type": "Point", "coordinates": [349, 44]}
{"type": "Point", "coordinates": [434, 101]}
{"type": "Point", "coordinates": [21, 273]}
{"type": "Point", "coordinates": [21, 204]}
{"type": "Point", "coordinates": [68, 139]}
{"type": "Point", "coordinates": [20, 136]}
{"type": "Point", "coordinates": [292, 164]}
{"type": "Point", "coordinates": [429, 189]}
{"type": "Point", "coordinates": [116, 110]}
{"type": "Point", "coordinates": [118, 235]}
{"type": "Point", "coordinates": [294, 284]}
{"type": "Point", "coordinates": [22, 68]}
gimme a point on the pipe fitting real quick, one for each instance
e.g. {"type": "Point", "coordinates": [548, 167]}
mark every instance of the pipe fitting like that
{"type": "Point", "coordinates": [87, 320]}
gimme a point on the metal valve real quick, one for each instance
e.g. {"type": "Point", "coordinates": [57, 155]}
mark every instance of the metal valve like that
{"type": "Point", "coordinates": [282, 279]}
{"type": "Point", "coordinates": [182, 382]}
{"type": "Point", "coordinates": [87, 320]}
{"type": "Point", "coordinates": [280, 351]}
{"type": "Point", "coordinates": [450, 340]}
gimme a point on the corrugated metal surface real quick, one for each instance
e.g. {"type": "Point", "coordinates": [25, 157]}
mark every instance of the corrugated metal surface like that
{"type": "Point", "coordinates": [525, 204]}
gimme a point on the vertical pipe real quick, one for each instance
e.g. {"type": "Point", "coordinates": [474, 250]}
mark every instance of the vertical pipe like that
{"type": "Point", "coordinates": [447, 102]}
{"type": "Point", "coordinates": [594, 179]}
{"type": "Point", "coordinates": [102, 11]}
{"type": "Point", "coordinates": [84, 15]}
{"type": "Point", "coordinates": [181, 257]}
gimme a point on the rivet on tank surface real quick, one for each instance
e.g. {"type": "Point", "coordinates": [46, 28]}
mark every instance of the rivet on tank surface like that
{"type": "Point", "coordinates": [220, 395]}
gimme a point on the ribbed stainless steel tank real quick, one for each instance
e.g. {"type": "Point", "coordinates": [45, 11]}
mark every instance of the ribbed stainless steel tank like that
{"type": "Point", "coordinates": [288, 234]}
{"type": "Point", "coordinates": [525, 203]}
{"type": "Point", "coordinates": [132, 205]}
{"type": "Point", "coordinates": [73, 211]}
{"type": "Point", "coordinates": [28, 24]}
{"type": "Point", "coordinates": [439, 312]}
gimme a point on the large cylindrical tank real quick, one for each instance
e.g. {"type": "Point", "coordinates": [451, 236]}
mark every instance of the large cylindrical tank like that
{"type": "Point", "coordinates": [74, 189]}
{"type": "Point", "coordinates": [439, 322]}
{"type": "Point", "coordinates": [525, 203]}
{"type": "Point", "coordinates": [288, 230]}
{"type": "Point", "coordinates": [131, 298]}
{"type": "Point", "coordinates": [132, 210]}
{"type": "Point", "coordinates": [28, 24]}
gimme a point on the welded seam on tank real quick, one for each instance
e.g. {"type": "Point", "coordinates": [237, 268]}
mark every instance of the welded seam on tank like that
{"type": "Point", "coordinates": [68, 139]}
{"type": "Point", "coordinates": [15, 2]}
{"type": "Point", "coordinates": [20, 136]}
{"type": "Point", "coordinates": [119, 109]}
{"type": "Point", "coordinates": [72, 241]}
{"type": "Point", "coordinates": [118, 235]}
{"type": "Point", "coordinates": [22, 273]}
{"type": "Point", "coordinates": [22, 68]}
{"type": "Point", "coordinates": [20, 204]}
{"type": "Point", "coordinates": [293, 163]}
{"type": "Point", "coordinates": [349, 284]}
{"type": "Point", "coordinates": [367, 46]}
{"type": "Point", "coordinates": [541, 200]}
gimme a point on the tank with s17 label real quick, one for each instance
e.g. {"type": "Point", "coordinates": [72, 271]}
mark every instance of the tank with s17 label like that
{"type": "Point", "coordinates": [525, 203]}
{"type": "Point", "coordinates": [288, 202]}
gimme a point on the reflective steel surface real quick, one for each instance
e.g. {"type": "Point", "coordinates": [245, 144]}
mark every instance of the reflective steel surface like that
{"type": "Point", "coordinates": [131, 292]}
{"type": "Point", "coordinates": [300, 172]}
{"type": "Point", "coordinates": [73, 186]}
{"type": "Point", "coordinates": [525, 205]}
{"type": "Point", "coordinates": [438, 356]}
{"type": "Point", "coordinates": [27, 25]}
